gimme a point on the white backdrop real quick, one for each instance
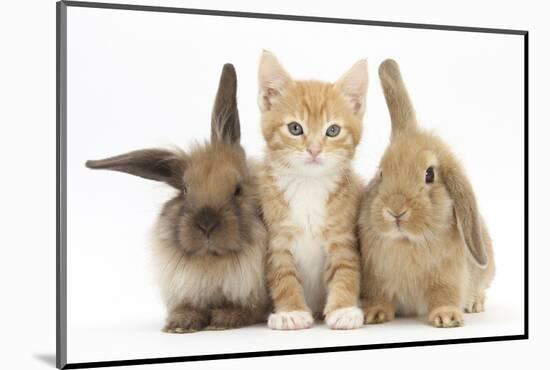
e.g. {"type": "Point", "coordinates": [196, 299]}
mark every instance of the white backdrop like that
{"type": "Point", "coordinates": [141, 79]}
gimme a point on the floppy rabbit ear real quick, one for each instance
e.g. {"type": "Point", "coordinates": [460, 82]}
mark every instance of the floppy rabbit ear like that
{"type": "Point", "coordinates": [152, 164]}
{"type": "Point", "coordinates": [273, 80]}
{"type": "Point", "coordinates": [401, 110]}
{"type": "Point", "coordinates": [467, 214]}
{"type": "Point", "coordinates": [225, 115]}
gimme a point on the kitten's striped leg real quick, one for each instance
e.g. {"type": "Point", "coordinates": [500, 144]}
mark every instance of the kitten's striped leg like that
{"type": "Point", "coordinates": [343, 281]}
{"type": "Point", "coordinates": [291, 311]}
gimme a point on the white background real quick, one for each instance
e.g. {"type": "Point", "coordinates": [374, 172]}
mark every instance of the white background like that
{"type": "Point", "coordinates": [29, 203]}
{"type": "Point", "coordinates": [141, 79]}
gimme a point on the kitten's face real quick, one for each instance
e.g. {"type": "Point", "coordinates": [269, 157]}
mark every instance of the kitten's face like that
{"type": "Point", "coordinates": [311, 127]}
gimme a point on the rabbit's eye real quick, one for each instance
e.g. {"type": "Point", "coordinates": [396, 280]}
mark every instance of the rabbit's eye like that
{"type": "Point", "coordinates": [333, 131]}
{"type": "Point", "coordinates": [295, 128]}
{"type": "Point", "coordinates": [184, 190]}
{"type": "Point", "coordinates": [238, 190]}
{"type": "Point", "coordinates": [430, 175]}
{"type": "Point", "coordinates": [380, 174]}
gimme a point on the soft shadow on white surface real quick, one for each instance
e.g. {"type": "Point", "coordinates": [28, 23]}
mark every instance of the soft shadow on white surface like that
{"type": "Point", "coordinates": [133, 340]}
{"type": "Point", "coordinates": [47, 358]}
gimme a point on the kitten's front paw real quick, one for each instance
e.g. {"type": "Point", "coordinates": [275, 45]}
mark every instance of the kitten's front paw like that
{"type": "Point", "coordinates": [379, 313]}
{"type": "Point", "coordinates": [446, 317]}
{"type": "Point", "coordinates": [345, 318]}
{"type": "Point", "coordinates": [291, 320]}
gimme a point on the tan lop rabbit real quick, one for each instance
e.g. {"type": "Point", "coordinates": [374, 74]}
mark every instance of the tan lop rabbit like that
{"type": "Point", "coordinates": [425, 247]}
{"type": "Point", "coordinates": [209, 240]}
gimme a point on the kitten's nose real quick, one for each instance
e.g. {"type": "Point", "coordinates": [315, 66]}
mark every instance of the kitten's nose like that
{"type": "Point", "coordinates": [314, 152]}
{"type": "Point", "coordinates": [207, 219]}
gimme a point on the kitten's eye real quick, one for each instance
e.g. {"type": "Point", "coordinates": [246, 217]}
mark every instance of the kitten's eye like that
{"type": "Point", "coordinates": [380, 174]}
{"type": "Point", "coordinates": [184, 190]}
{"type": "Point", "coordinates": [333, 130]}
{"type": "Point", "coordinates": [238, 190]}
{"type": "Point", "coordinates": [295, 128]}
{"type": "Point", "coordinates": [430, 175]}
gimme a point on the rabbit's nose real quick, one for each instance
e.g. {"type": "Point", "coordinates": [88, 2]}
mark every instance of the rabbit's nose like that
{"type": "Point", "coordinates": [207, 219]}
{"type": "Point", "coordinates": [398, 215]}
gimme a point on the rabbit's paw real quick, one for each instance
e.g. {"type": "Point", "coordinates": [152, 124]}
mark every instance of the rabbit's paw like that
{"type": "Point", "coordinates": [477, 304]}
{"type": "Point", "coordinates": [229, 318]}
{"type": "Point", "coordinates": [185, 322]}
{"type": "Point", "coordinates": [379, 313]}
{"type": "Point", "coordinates": [446, 317]}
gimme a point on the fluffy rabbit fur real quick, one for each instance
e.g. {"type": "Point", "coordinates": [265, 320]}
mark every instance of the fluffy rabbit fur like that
{"type": "Point", "coordinates": [209, 241]}
{"type": "Point", "coordinates": [425, 247]}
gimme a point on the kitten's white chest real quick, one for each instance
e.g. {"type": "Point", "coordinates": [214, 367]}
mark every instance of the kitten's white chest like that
{"type": "Point", "coordinates": [307, 198]}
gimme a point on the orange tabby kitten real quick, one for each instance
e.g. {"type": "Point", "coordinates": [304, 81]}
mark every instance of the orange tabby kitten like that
{"type": "Point", "coordinates": [310, 195]}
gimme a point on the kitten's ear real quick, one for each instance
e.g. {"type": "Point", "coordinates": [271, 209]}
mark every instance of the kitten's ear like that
{"type": "Point", "coordinates": [353, 84]}
{"type": "Point", "coordinates": [273, 80]}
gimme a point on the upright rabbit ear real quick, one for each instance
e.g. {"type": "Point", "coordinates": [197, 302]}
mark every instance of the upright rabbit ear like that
{"type": "Point", "coordinates": [226, 126]}
{"type": "Point", "coordinates": [401, 110]}
{"type": "Point", "coordinates": [353, 84]}
{"type": "Point", "coordinates": [466, 213]}
{"type": "Point", "coordinates": [273, 80]}
{"type": "Point", "coordinates": [152, 164]}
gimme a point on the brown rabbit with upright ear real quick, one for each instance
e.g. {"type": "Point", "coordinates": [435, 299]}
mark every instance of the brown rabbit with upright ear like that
{"type": "Point", "coordinates": [425, 247]}
{"type": "Point", "coordinates": [209, 241]}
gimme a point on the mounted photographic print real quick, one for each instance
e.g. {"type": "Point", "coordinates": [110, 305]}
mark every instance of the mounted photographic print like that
{"type": "Point", "coordinates": [241, 184]}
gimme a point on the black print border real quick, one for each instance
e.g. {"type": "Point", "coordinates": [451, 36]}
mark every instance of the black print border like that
{"type": "Point", "coordinates": [61, 186]}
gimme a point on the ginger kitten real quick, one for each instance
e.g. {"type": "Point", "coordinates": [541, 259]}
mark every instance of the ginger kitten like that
{"type": "Point", "coordinates": [310, 195]}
